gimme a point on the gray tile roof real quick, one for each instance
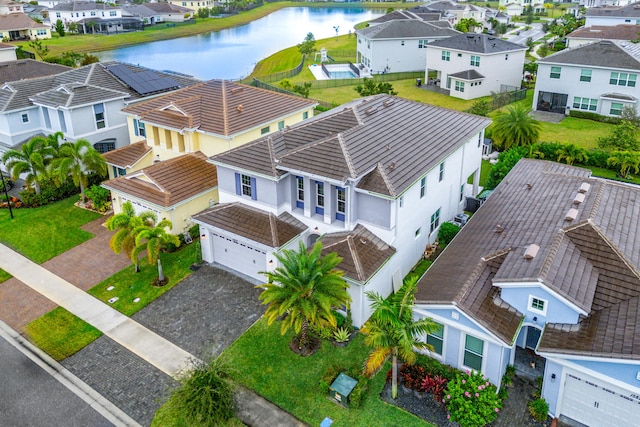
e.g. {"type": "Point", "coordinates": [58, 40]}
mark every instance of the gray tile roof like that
{"type": "Point", "coordinates": [406, 29]}
{"type": "Point", "coordinates": [76, 94]}
{"type": "Point", "coordinates": [402, 139]}
{"type": "Point", "coordinates": [79, 6]}
{"type": "Point", "coordinates": [405, 14]}
{"type": "Point", "coordinates": [592, 260]}
{"type": "Point", "coordinates": [628, 11]}
{"type": "Point", "coordinates": [27, 69]}
{"type": "Point", "coordinates": [598, 54]}
{"type": "Point", "coordinates": [477, 43]}
{"type": "Point", "coordinates": [606, 32]}
{"type": "Point", "coordinates": [468, 75]}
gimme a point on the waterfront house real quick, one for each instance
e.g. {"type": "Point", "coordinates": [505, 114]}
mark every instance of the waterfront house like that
{"type": "Point", "coordinates": [194, 6]}
{"type": "Point", "coordinates": [18, 26]}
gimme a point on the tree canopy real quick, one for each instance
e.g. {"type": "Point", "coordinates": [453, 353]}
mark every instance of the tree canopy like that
{"type": "Point", "coordinates": [514, 128]}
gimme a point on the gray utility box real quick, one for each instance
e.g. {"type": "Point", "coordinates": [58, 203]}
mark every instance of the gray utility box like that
{"type": "Point", "coordinates": [342, 388]}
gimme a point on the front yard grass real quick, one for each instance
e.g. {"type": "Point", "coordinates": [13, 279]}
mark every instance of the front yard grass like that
{"type": "Point", "coordinates": [45, 232]}
{"type": "Point", "coordinates": [4, 275]}
{"type": "Point", "coordinates": [262, 361]}
{"type": "Point", "coordinates": [60, 334]}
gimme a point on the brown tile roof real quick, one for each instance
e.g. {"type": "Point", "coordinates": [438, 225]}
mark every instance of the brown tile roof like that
{"type": "Point", "coordinates": [129, 155]}
{"type": "Point", "coordinates": [219, 107]}
{"type": "Point", "coordinates": [28, 68]}
{"type": "Point", "coordinates": [607, 32]}
{"type": "Point", "coordinates": [362, 252]}
{"type": "Point", "coordinates": [592, 260]}
{"type": "Point", "coordinates": [401, 138]}
{"type": "Point", "coordinates": [169, 182]}
{"type": "Point", "coordinates": [18, 21]}
{"type": "Point", "coordinates": [254, 224]}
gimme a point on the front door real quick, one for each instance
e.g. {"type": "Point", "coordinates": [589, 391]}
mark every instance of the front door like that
{"type": "Point", "coordinates": [533, 336]}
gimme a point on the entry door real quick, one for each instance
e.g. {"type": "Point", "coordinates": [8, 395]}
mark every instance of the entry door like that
{"type": "Point", "coordinates": [533, 336]}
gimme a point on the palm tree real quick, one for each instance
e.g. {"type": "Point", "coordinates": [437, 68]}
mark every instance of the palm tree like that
{"type": "Point", "coordinates": [392, 331]}
{"type": "Point", "coordinates": [306, 287]}
{"type": "Point", "coordinates": [31, 159]}
{"type": "Point", "coordinates": [79, 159]}
{"type": "Point", "coordinates": [627, 160]}
{"type": "Point", "coordinates": [572, 153]}
{"type": "Point", "coordinates": [153, 237]}
{"type": "Point", "coordinates": [125, 222]}
{"type": "Point", "coordinates": [515, 128]}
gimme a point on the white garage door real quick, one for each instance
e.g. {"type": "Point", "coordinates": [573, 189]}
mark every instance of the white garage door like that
{"type": "Point", "coordinates": [598, 404]}
{"type": "Point", "coordinates": [239, 256]}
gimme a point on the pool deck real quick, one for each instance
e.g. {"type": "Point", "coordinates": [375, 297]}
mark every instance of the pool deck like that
{"type": "Point", "coordinates": [316, 70]}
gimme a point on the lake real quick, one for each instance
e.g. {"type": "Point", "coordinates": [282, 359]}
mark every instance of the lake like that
{"type": "Point", "coordinates": [233, 53]}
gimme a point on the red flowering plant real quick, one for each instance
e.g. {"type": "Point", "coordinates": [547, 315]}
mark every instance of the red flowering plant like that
{"type": "Point", "coordinates": [472, 401]}
{"type": "Point", "coordinates": [434, 385]}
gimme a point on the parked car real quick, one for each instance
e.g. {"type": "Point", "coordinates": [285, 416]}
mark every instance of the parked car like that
{"type": "Point", "coordinates": [8, 182]}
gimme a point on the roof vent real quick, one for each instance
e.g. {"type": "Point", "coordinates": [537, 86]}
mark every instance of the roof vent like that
{"type": "Point", "coordinates": [236, 89]}
{"type": "Point", "coordinates": [388, 147]}
{"type": "Point", "coordinates": [499, 228]}
{"type": "Point", "coordinates": [578, 199]}
{"type": "Point", "coordinates": [239, 108]}
{"type": "Point", "coordinates": [531, 251]}
{"type": "Point", "coordinates": [584, 187]}
{"type": "Point", "coordinates": [389, 102]}
{"type": "Point", "coordinates": [370, 111]}
{"type": "Point", "coordinates": [571, 214]}
{"type": "Point", "coordinates": [363, 241]}
{"type": "Point", "coordinates": [470, 36]}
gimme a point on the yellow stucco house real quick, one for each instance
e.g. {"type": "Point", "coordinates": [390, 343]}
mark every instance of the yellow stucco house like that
{"type": "Point", "coordinates": [193, 5]}
{"type": "Point", "coordinates": [18, 26]}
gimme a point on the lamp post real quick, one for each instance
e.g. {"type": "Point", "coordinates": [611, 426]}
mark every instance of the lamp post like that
{"type": "Point", "coordinates": [6, 193]}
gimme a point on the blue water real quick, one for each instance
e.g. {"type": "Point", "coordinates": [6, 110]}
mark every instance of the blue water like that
{"type": "Point", "coordinates": [233, 53]}
{"type": "Point", "coordinates": [342, 74]}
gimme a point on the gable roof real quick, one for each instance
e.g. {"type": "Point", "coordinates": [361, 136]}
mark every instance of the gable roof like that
{"type": "Point", "coordinates": [604, 53]}
{"type": "Point", "coordinates": [477, 43]}
{"type": "Point", "coordinates": [127, 156]}
{"type": "Point", "coordinates": [392, 137]}
{"type": "Point", "coordinates": [28, 68]}
{"type": "Point", "coordinates": [18, 21]}
{"type": "Point", "coordinates": [629, 10]}
{"type": "Point", "coordinates": [169, 182]}
{"type": "Point", "coordinates": [472, 74]}
{"type": "Point", "coordinates": [79, 6]}
{"type": "Point", "coordinates": [254, 224]}
{"type": "Point", "coordinates": [406, 29]}
{"type": "Point", "coordinates": [76, 94]}
{"type": "Point", "coordinates": [219, 107]}
{"type": "Point", "coordinates": [587, 260]}
{"type": "Point", "coordinates": [607, 32]}
{"type": "Point", "coordinates": [362, 252]}
{"type": "Point", "coordinates": [405, 14]}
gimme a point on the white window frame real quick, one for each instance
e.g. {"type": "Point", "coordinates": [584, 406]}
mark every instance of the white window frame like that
{"type": "Point", "coordinates": [464, 351]}
{"type": "Point", "coordinates": [585, 75]}
{"type": "Point", "coordinates": [24, 117]}
{"type": "Point", "coordinates": [555, 72]}
{"type": "Point", "coordinates": [475, 60]}
{"type": "Point", "coordinates": [320, 194]}
{"type": "Point", "coordinates": [530, 305]}
{"type": "Point", "coordinates": [435, 354]}
{"type": "Point", "coordinates": [441, 175]}
{"type": "Point", "coordinates": [585, 104]}
{"type": "Point", "coordinates": [459, 86]}
{"type": "Point", "coordinates": [245, 187]}
{"type": "Point", "coordinates": [628, 80]}
{"type": "Point", "coordinates": [98, 121]}
{"type": "Point", "coordinates": [446, 56]}
{"type": "Point", "coordinates": [423, 187]}
{"type": "Point", "coordinates": [435, 220]}
{"type": "Point", "coordinates": [300, 189]}
{"type": "Point", "coordinates": [614, 110]}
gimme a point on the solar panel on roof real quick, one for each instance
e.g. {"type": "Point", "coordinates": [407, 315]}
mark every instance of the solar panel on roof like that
{"type": "Point", "coordinates": [143, 82]}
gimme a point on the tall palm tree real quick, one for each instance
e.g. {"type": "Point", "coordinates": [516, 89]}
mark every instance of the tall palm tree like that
{"type": "Point", "coordinates": [514, 128]}
{"type": "Point", "coordinates": [392, 331]}
{"type": "Point", "coordinates": [124, 223]}
{"type": "Point", "coordinates": [31, 159]}
{"type": "Point", "coordinates": [152, 238]}
{"type": "Point", "coordinates": [627, 160]}
{"type": "Point", "coordinates": [571, 153]}
{"type": "Point", "coordinates": [306, 287]}
{"type": "Point", "coordinates": [79, 159]}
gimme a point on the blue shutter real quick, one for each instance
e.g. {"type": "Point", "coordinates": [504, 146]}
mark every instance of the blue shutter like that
{"type": "Point", "coordinates": [254, 194]}
{"type": "Point", "coordinates": [135, 127]}
{"type": "Point", "coordinates": [238, 189]}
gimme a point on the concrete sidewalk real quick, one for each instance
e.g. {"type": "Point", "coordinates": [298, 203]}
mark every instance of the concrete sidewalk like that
{"type": "Point", "coordinates": [148, 345]}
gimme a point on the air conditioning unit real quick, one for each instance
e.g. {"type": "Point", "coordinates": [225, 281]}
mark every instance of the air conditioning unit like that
{"type": "Point", "coordinates": [460, 219]}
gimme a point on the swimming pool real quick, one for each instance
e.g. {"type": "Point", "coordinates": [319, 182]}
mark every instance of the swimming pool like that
{"type": "Point", "coordinates": [346, 74]}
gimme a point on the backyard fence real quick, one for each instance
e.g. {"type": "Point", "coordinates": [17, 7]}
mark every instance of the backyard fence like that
{"type": "Point", "coordinates": [387, 77]}
{"type": "Point", "coordinates": [283, 75]}
{"type": "Point", "coordinates": [507, 95]}
{"type": "Point", "coordinates": [263, 85]}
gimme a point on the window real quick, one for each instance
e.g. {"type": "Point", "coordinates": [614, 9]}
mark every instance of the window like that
{"type": "Point", "coordinates": [459, 55]}
{"type": "Point", "coordinates": [441, 176]}
{"type": "Point", "coordinates": [246, 185]}
{"type": "Point", "coordinates": [93, 13]}
{"type": "Point", "coordinates": [63, 123]}
{"type": "Point", "coordinates": [319, 197]}
{"type": "Point", "coordinates": [461, 192]}
{"type": "Point", "coordinates": [418, 232]}
{"type": "Point", "coordinates": [305, 115]}
{"type": "Point", "coordinates": [401, 201]}
{"type": "Point", "coordinates": [281, 125]}
{"type": "Point", "coordinates": [459, 86]}
{"type": "Point", "coordinates": [98, 111]}
{"type": "Point", "coordinates": [41, 32]}
{"type": "Point", "coordinates": [83, 14]}
{"type": "Point", "coordinates": [423, 186]}
{"type": "Point", "coordinates": [436, 339]}
{"type": "Point", "coordinates": [473, 350]}
{"type": "Point", "coordinates": [299, 192]}
{"type": "Point", "coordinates": [402, 43]}
{"type": "Point", "coordinates": [141, 129]}
{"type": "Point", "coordinates": [537, 305]}
{"type": "Point", "coordinates": [435, 221]}
{"type": "Point", "coordinates": [422, 44]}
{"type": "Point", "coordinates": [57, 14]}
{"type": "Point", "coordinates": [555, 73]}
{"type": "Point", "coordinates": [585, 75]}
{"type": "Point", "coordinates": [616, 109]}
{"type": "Point", "coordinates": [585, 103]}
{"type": "Point", "coordinates": [446, 55]}
{"type": "Point", "coordinates": [264, 130]}
{"type": "Point", "coordinates": [25, 117]}
{"type": "Point", "coordinates": [506, 56]}
{"type": "Point", "coordinates": [623, 79]}
{"type": "Point", "coordinates": [341, 206]}
{"type": "Point", "coordinates": [475, 60]}
{"type": "Point", "coordinates": [112, 13]}
{"type": "Point", "coordinates": [47, 119]}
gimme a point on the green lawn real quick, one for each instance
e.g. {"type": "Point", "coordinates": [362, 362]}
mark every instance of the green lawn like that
{"type": "Point", "coordinates": [129, 285]}
{"type": "Point", "coordinates": [261, 360]}
{"type": "Point", "coordinates": [582, 132]}
{"type": "Point", "coordinates": [4, 276]}
{"type": "Point", "coordinates": [45, 232]}
{"type": "Point", "coordinates": [60, 334]}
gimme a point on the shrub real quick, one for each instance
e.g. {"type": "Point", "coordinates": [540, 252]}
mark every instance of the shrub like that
{"type": "Point", "coordinates": [447, 232]}
{"type": "Point", "coordinates": [593, 116]}
{"type": "Point", "coordinates": [539, 409]}
{"type": "Point", "coordinates": [49, 192]}
{"type": "Point", "coordinates": [341, 335]}
{"type": "Point", "coordinates": [434, 385]}
{"type": "Point", "coordinates": [322, 332]}
{"type": "Point", "coordinates": [340, 319]}
{"type": "Point", "coordinates": [481, 107]}
{"type": "Point", "coordinates": [99, 196]}
{"type": "Point", "coordinates": [412, 376]}
{"type": "Point", "coordinates": [355, 398]}
{"type": "Point", "coordinates": [472, 400]}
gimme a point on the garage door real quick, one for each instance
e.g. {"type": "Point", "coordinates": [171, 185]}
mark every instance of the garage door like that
{"type": "Point", "coordinates": [239, 256]}
{"type": "Point", "coordinates": [598, 404]}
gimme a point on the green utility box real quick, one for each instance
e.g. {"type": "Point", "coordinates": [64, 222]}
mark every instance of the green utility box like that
{"type": "Point", "coordinates": [342, 388]}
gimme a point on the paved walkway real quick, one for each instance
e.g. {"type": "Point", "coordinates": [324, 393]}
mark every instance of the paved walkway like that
{"type": "Point", "coordinates": [151, 347]}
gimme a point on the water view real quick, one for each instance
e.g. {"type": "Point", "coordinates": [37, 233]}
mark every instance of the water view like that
{"type": "Point", "coordinates": [233, 53]}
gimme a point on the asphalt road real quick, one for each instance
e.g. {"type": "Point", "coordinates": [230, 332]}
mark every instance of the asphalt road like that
{"type": "Point", "coordinates": [30, 396]}
{"type": "Point", "coordinates": [535, 33]}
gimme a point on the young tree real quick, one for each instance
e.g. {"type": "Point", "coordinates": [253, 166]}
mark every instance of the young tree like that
{"type": "Point", "coordinates": [370, 87]}
{"type": "Point", "coordinates": [153, 237]}
{"type": "Point", "coordinates": [303, 90]}
{"type": "Point", "coordinates": [623, 137]}
{"type": "Point", "coordinates": [60, 28]}
{"type": "Point", "coordinates": [571, 153]}
{"type": "Point", "coordinates": [79, 160]}
{"type": "Point", "coordinates": [41, 50]}
{"type": "Point", "coordinates": [123, 224]}
{"type": "Point", "coordinates": [306, 286]}
{"type": "Point", "coordinates": [626, 160]}
{"type": "Point", "coordinates": [203, 13]}
{"type": "Point", "coordinates": [392, 332]}
{"type": "Point", "coordinates": [308, 45]}
{"type": "Point", "coordinates": [515, 127]}
{"type": "Point", "coordinates": [31, 159]}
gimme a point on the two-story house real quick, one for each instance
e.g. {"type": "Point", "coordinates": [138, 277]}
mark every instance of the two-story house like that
{"type": "Point", "coordinates": [81, 103]}
{"type": "Point", "coordinates": [613, 15]}
{"type": "Point", "coordinates": [193, 5]}
{"type": "Point", "coordinates": [545, 276]}
{"type": "Point", "coordinates": [599, 77]}
{"type": "Point", "coordinates": [614, 33]}
{"type": "Point", "coordinates": [474, 65]}
{"type": "Point", "coordinates": [519, 7]}
{"type": "Point", "coordinates": [373, 179]}
{"type": "Point", "coordinates": [398, 45]}
{"type": "Point", "coordinates": [154, 13]}
{"type": "Point", "coordinates": [453, 12]}
{"type": "Point", "coordinates": [93, 17]}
